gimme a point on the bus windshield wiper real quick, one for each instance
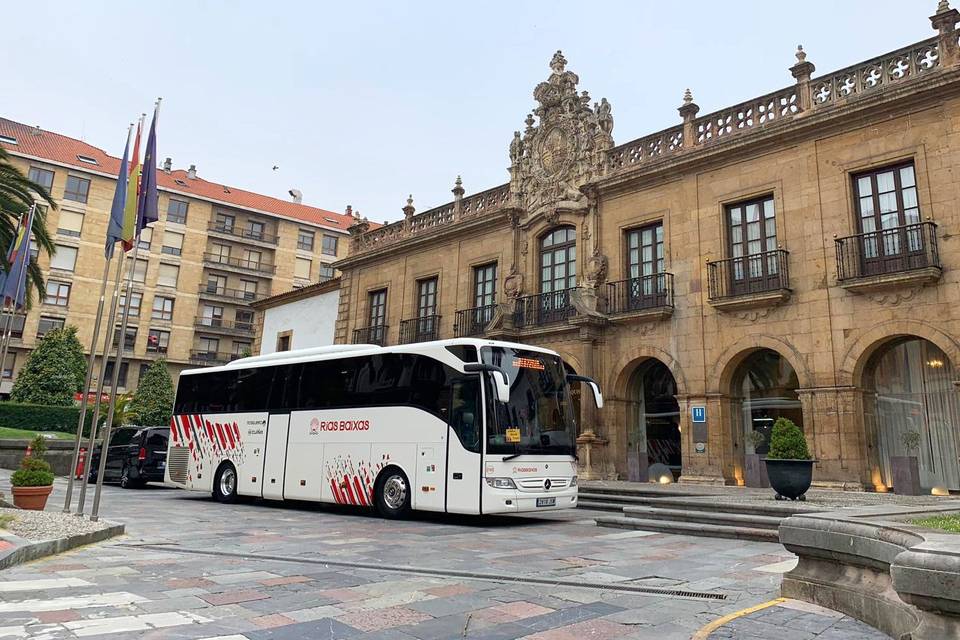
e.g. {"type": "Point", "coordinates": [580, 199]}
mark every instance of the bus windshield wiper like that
{"type": "Point", "coordinates": [511, 457]}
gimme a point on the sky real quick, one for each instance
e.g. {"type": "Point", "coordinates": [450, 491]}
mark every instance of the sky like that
{"type": "Point", "coordinates": [363, 103]}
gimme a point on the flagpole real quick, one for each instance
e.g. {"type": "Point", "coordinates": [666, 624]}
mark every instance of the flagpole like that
{"type": "Point", "coordinates": [91, 441]}
{"type": "Point", "coordinates": [9, 317]}
{"type": "Point", "coordinates": [21, 284]}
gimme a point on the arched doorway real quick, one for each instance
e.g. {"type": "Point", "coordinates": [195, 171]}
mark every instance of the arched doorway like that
{"type": "Point", "coordinates": [913, 394]}
{"type": "Point", "coordinates": [765, 388]}
{"type": "Point", "coordinates": [653, 421]}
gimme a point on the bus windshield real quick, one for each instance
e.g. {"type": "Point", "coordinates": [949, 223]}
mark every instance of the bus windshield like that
{"type": "Point", "coordinates": [539, 417]}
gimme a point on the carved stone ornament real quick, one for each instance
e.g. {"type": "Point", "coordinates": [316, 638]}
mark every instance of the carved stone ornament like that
{"type": "Point", "coordinates": [596, 273]}
{"type": "Point", "coordinates": [563, 148]}
{"type": "Point", "coordinates": [896, 298]}
{"type": "Point", "coordinates": [513, 284]}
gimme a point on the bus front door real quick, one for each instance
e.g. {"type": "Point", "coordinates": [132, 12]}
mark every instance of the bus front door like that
{"type": "Point", "coordinates": [464, 462]}
{"type": "Point", "coordinates": [275, 459]}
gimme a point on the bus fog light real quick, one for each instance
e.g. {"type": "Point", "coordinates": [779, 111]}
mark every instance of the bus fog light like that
{"type": "Point", "coordinates": [573, 482]}
{"type": "Point", "coordinates": [501, 483]}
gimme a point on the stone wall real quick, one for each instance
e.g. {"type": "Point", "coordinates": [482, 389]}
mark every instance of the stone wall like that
{"type": "Point", "coordinates": [59, 454]}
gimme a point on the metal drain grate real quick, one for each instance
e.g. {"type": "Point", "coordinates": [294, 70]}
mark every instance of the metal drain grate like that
{"type": "Point", "coordinates": [444, 573]}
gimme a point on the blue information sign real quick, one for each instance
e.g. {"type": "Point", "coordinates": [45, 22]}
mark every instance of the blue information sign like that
{"type": "Point", "coordinates": [699, 414]}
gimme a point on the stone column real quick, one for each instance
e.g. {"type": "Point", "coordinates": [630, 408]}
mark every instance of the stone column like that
{"type": "Point", "coordinates": [408, 212]}
{"type": "Point", "coordinates": [688, 111]}
{"type": "Point", "coordinates": [945, 22]}
{"type": "Point", "coordinates": [457, 199]}
{"type": "Point", "coordinates": [802, 72]}
{"type": "Point", "coordinates": [714, 463]}
{"type": "Point", "coordinates": [591, 442]}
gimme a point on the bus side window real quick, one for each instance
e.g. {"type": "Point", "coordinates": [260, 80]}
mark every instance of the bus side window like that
{"type": "Point", "coordinates": [465, 412]}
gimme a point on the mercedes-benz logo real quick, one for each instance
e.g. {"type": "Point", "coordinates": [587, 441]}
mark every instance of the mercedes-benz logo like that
{"type": "Point", "coordinates": [547, 484]}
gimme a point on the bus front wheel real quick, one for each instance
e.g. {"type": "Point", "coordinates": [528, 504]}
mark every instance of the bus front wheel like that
{"type": "Point", "coordinates": [225, 484]}
{"type": "Point", "coordinates": [392, 494]}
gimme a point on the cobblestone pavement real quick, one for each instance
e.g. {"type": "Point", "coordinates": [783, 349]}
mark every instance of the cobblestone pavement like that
{"type": "Point", "coordinates": [191, 568]}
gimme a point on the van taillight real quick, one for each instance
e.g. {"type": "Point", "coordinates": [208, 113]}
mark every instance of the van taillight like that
{"type": "Point", "coordinates": [143, 454]}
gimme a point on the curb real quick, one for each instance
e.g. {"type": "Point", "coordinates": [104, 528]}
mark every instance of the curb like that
{"type": "Point", "coordinates": [28, 551]}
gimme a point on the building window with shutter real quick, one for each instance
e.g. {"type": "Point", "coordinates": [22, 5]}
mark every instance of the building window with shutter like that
{"type": "Point", "coordinates": [70, 224]}
{"type": "Point", "coordinates": [172, 243]}
{"type": "Point", "coordinates": [64, 259]}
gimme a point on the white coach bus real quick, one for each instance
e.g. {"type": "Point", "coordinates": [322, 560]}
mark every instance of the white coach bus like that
{"type": "Point", "coordinates": [459, 426]}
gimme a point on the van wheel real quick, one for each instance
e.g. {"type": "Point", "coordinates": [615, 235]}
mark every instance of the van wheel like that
{"type": "Point", "coordinates": [392, 494]}
{"type": "Point", "coordinates": [225, 484]}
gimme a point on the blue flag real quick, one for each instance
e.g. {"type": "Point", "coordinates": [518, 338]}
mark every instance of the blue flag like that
{"type": "Point", "coordinates": [147, 202]}
{"type": "Point", "coordinates": [115, 224]}
{"type": "Point", "coordinates": [12, 282]}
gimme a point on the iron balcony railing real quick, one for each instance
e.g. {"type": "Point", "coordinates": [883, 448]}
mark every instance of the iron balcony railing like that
{"type": "Point", "coordinates": [244, 234]}
{"type": "Point", "coordinates": [652, 291]}
{"type": "Point", "coordinates": [240, 295]}
{"type": "Point", "coordinates": [747, 275]}
{"type": "Point", "coordinates": [474, 321]}
{"type": "Point", "coordinates": [895, 250]}
{"type": "Point", "coordinates": [420, 329]}
{"type": "Point", "coordinates": [376, 334]}
{"type": "Point", "coordinates": [219, 324]}
{"type": "Point", "coordinates": [200, 356]}
{"type": "Point", "coordinates": [543, 308]}
{"type": "Point", "coordinates": [256, 266]}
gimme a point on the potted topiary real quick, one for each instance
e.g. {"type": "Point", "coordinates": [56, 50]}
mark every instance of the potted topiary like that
{"type": "Point", "coordinates": [789, 464]}
{"type": "Point", "coordinates": [754, 475]}
{"type": "Point", "coordinates": [33, 481]}
{"type": "Point", "coordinates": [906, 469]}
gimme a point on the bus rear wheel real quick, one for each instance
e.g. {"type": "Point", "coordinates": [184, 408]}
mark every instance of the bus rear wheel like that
{"type": "Point", "coordinates": [225, 484]}
{"type": "Point", "coordinates": [392, 494]}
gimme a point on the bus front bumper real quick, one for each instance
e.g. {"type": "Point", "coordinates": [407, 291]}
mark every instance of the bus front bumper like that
{"type": "Point", "coordinates": [514, 501]}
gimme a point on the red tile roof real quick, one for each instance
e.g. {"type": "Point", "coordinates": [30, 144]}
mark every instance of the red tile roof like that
{"type": "Point", "coordinates": [62, 149]}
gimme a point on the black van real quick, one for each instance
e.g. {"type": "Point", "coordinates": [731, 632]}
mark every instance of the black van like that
{"type": "Point", "coordinates": [136, 455]}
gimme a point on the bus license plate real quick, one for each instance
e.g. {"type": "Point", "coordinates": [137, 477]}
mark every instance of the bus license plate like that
{"type": "Point", "coordinates": [546, 502]}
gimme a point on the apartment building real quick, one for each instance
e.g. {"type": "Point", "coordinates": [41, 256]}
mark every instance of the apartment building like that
{"type": "Point", "coordinates": [795, 255]}
{"type": "Point", "coordinates": [215, 250]}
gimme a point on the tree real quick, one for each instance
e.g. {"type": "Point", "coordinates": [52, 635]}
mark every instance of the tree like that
{"type": "Point", "coordinates": [55, 370]}
{"type": "Point", "coordinates": [123, 410]}
{"type": "Point", "coordinates": [17, 194]}
{"type": "Point", "coordinates": [153, 401]}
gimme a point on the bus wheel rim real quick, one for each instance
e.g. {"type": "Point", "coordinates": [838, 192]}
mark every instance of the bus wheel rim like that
{"type": "Point", "coordinates": [395, 492]}
{"type": "Point", "coordinates": [227, 482]}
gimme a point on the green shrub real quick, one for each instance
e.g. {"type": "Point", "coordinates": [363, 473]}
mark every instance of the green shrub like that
{"type": "Point", "coordinates": [54, 370]}
{"type": "Point", "coordinates": [787, 442]}
{"type": "Point", "coordinates": [38, 417]}
{"type": "Point", "coordinates": [34, 471]}
{"type": "Point", "coordinates": [153, 402]}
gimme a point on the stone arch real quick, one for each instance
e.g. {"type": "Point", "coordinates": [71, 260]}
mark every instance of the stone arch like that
{"type": "Point", "coordinates": [858, 354]}
{"type": "Point", "coordinates": [623, 369]}
{"type": "Point", "coordinates": [721, 374]}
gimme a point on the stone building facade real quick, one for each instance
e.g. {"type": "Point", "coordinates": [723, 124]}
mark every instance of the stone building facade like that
{"type": "Point", "coordinates": [215, 250]}
{"type": "Point", "coordinates": [791, 256]}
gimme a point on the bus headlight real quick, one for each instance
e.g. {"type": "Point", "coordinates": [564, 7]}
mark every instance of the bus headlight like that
{"type": "Point", "coordinates": [501, 483]}
{"type": "Point", "coordinates": [573, 482]}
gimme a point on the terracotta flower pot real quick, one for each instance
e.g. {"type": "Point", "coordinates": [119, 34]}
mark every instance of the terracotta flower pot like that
{"type": "Point", "coordinates": [32, 498]}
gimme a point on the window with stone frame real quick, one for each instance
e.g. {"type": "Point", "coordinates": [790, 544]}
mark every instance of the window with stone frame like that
{"type": "Point", "coordinates": [158, 340]}
{"type": "Point", "coordinates": [77, 189]}
{"type": "Point", "coordinates": [752, 244]}
{"type": "Point", "coordinates": [130, 339]}
{"type": "Point", "coordinates": [43, 177]}
{"type": "Point", "coordinates": [49, 323]}
{"type": "Point", "coordinates": [887, 207]}
{"type": "Point", "coordinates": [57, 293]}
{"type": "Point", "coordinates": [329, 246]}
{"type": "Point", "coordinates": [136, 299]}
{"type": "Point", "coordinates": [172, 243]}
{"type": "Point", "coordinates": [121, 377]}
{"type": "Point", "coordinates": [162, 308]}
{"type": "Point", "coordinates": [70, 223]}
{"type": "Point", "coordinates": [305, 239]}
{"type": "Point", "coordinates": [177, 211]}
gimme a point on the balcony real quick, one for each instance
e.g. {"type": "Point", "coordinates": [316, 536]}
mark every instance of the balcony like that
{"type": "Point", "coordinates": [371, 335]}
{"type": "Point", "coordinates": [647, 297]}
{"type": "Point", "coordinates": [543, 309]}
{"type": "Point", "coordinates": [212, 358]}
{"type": "Point", "coordinates": [240, 265]}
{"type": "Point", "coordinates": [889, 258]}
{"type": "Point", "coordinates": [474, 321]}
{"type": "Point", "coordinates": [420, 329]}
{"type": "Point", "coordinates": [746, 282]}
{"type": "Point", "coordinates": [221, 326]}
{"type": "Point", "coordinates": [236, 296]}
{"type": "Point", "coordinates": [233, 232]}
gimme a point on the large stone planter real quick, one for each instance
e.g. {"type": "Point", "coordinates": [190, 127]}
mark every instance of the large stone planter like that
{"type": "Point", "coordinates": [789, 478]}
{"type": "Point", "coordinates": [906, 475]}
{"type": "Point", "coordinates": [31, 498]}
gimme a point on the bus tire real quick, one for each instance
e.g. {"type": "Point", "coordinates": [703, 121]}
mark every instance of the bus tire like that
{"type": "Point", "coordinates": [392, 493]}
{"type": "Point", "coordinates": [225, 484]}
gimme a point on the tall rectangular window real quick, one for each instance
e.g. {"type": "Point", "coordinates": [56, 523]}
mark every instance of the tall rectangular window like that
{"type": "Point", "coordinates": [48, 324]}
{"type": "Point", "coordinates": [162, 308]}
{"type": "Point", "coordinates": [302, 268]}
{"type": "Point", "coordinates": [377, 305]}
{"type": "Point", "coordinates": [140, 271]}
{"type": "Point", "coordinates": [121, 376]}
{"type": "Point", "coordinates": [43, 177]}
{"type": "Point", "coordinates": [752, 241]}
{"type": "Point", "coordinates": [16, 326]}
{"type": "Point", "coordinates": [167, 275]}
{"type": "Point", "coordinates": [241, 348]}
{"type": "Point", "coordinates": [249, 288]}
{"type": "Point", "coordinates": [158, 340]}
{"type": "Point", "coordinates": [329, 247]}
{"type": "Point", "coordinates": [305, 240]}
{"type": "Point", "coordinates": [136, 298]}
{"type": "Point", "coordinates": [177, 211]}
{"type": "Point", "coordinates": [221, 251]}
{"type": "Point", "coordinates": [145, 238]}
{"type": "Point", "coordinates": [8, 366]}
{"type": "Point", "coordinates": [244, 318]}
{"type": "Point", "coordinates": [77, 189]}
{"type": "Point", "coordinates": [65, 258]}
{"type": "Point", "coordinates": [172, 243]}
{"type": "Point", "coordinates": [255, 229]}
{"type": "Point", "coordinates": [225, 222]}
{"type": "Point", "coordinates": [70, 224]}
{"type": "Point", "coordinates": [886, 202]}
{"type": "Point", "coordinates": [426, 297]}
{"type": "Point", "coordinates": [251, 258]}
{"type": "Point", "coordinates": [485, 285]}
{"type": "Point", "coordinates": [130, 339]}
{"type": "Point", "coordinates": [646, 285]}
{"type": "Point", "coordinates": [212, 315]}
{"type": "Point", "coordinates": [57, 293]}
{"type": "Point", "coordinates": [208, 345]}
{"type": "Point", "coordinates": [326, 271]}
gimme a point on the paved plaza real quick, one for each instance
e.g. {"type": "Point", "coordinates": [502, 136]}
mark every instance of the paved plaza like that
{"type": "Point", "coordinates": [191, 568]}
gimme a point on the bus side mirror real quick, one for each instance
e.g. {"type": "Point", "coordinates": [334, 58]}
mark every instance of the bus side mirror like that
{"type": "Point", "coordinates": [501, 381]}
{"type": "Point", "coordinates": [594, 387]}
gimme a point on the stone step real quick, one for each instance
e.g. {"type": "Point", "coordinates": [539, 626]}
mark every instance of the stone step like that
{"type": "Point", "coordinates": [771, 508]}
{"type": "Point", "coordinates": [704, 517]}
{"type": "Point", "coordinates": [600, 506]}
{"type": "Point", "coordinates": [690, 528]}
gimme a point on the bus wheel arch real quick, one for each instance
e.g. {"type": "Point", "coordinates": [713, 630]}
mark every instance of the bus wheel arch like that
{"type": "Point", "coordinates": [392, 492]}
{"type": "Point", "coordinates": [225, 482]}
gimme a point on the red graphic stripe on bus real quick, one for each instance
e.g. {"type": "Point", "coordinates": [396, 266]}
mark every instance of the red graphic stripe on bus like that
{"type": "Point", "coordinates": [174, 431]}
{"type": "Point", "coordinates": [360, 492]}
{"type": "Point", "coordinates": [229, 431]}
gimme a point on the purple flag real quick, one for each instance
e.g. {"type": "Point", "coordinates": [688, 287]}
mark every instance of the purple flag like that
{"type": "Point", "coordinates": [115, 224]}
{"type": "Point", "coordinates": [147, 202]}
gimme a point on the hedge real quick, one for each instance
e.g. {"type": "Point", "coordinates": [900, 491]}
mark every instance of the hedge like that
{"type": "Point", "coordinates": [39, 417]}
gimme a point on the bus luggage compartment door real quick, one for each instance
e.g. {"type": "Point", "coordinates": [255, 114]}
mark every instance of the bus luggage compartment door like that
{"type": "Point", "coordinates": [276, 456]}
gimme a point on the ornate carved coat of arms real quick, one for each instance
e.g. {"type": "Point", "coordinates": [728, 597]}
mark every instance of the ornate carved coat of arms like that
{"type": "Point", "coordinates": [562, 148]}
